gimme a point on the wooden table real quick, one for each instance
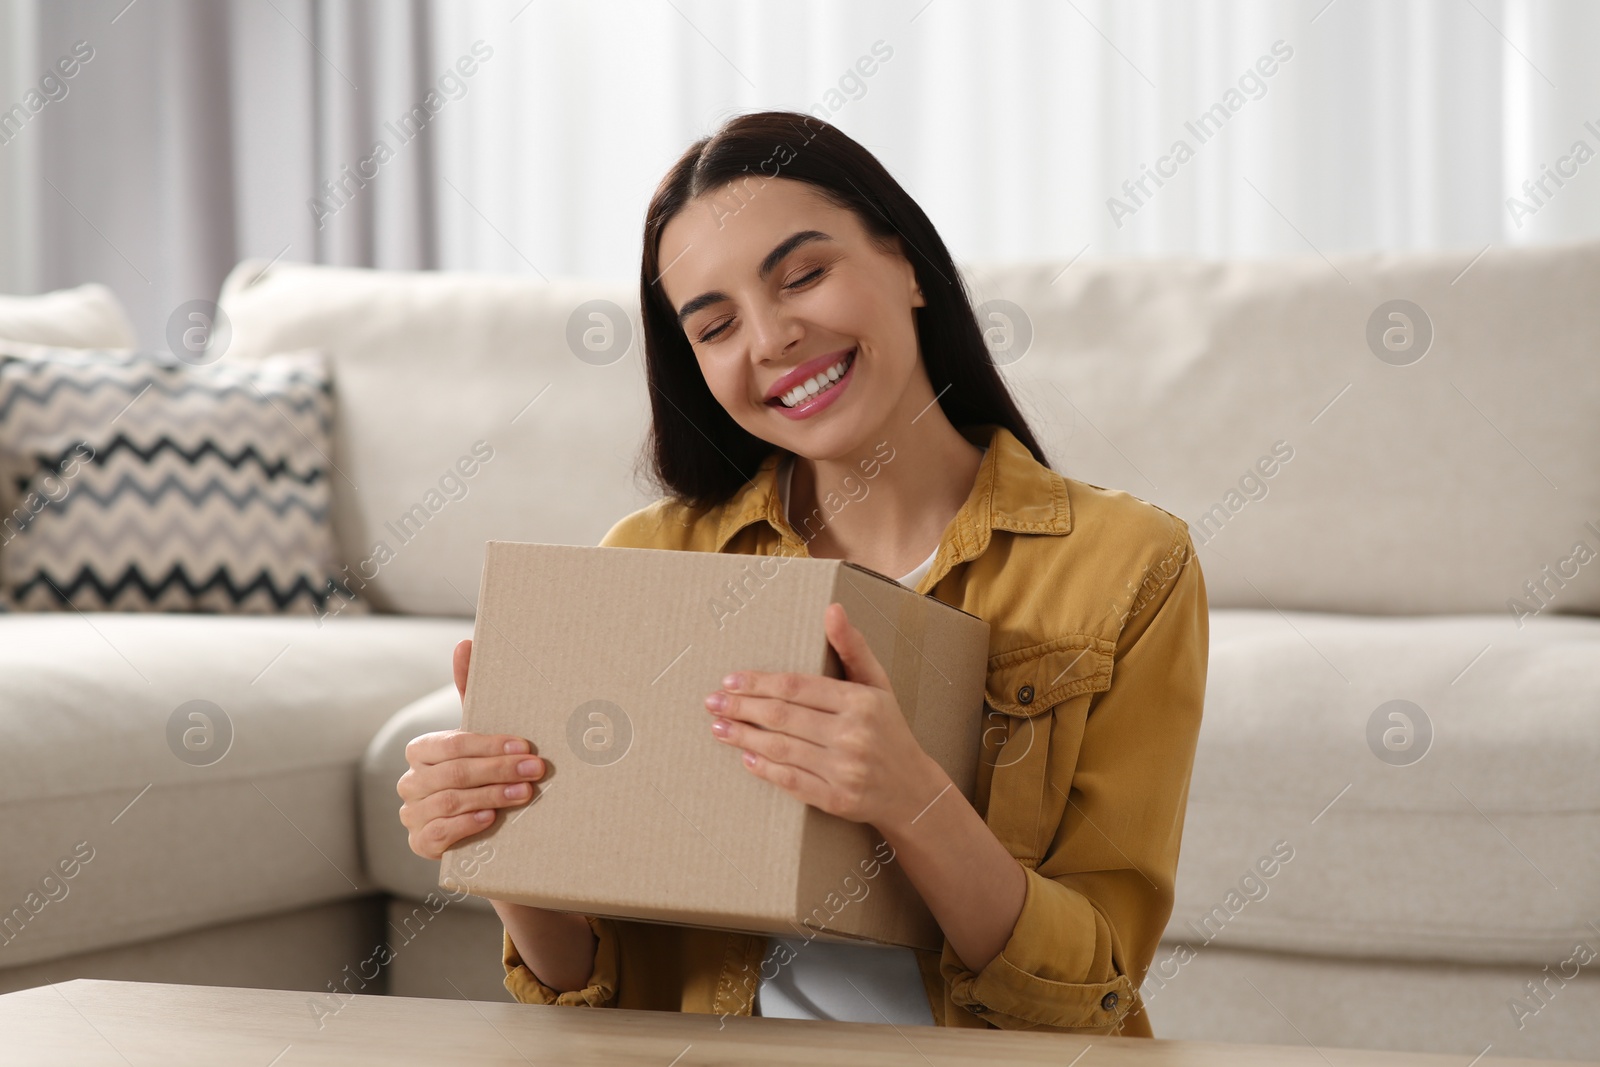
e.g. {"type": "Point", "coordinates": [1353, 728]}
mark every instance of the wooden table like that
{"type": "Point", "coordinates": [136, 1023]}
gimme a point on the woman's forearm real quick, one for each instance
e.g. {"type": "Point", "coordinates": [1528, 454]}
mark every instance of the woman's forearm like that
{"type": "Point", "coordinates": [973, 886]}
{"type": "Point", "coordinates": [557, 947]}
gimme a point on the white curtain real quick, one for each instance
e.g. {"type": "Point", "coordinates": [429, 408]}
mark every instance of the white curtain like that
{"type": "Point", "coordinates": [196, 133]}
{"type": "Point", "coordinates": [203, 132]}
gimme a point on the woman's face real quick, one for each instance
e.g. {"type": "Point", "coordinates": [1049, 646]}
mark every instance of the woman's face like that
{"type": "Point", "coordinates": [801, 324]}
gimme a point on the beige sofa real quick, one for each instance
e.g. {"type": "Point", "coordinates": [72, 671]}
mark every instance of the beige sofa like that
{"type": "Point", "coordinates": [1368, 494]}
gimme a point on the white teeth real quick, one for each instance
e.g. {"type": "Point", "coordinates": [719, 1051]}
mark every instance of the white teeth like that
{"type": "Point", "coordinates": [817, 384]}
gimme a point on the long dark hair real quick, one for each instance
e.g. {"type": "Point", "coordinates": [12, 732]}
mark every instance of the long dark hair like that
{"type": "Point", "coordinates": [697, 452]}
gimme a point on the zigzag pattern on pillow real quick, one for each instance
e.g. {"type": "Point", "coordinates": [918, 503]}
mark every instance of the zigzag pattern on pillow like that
{"type": "Point", "coordinates": [131, 481]}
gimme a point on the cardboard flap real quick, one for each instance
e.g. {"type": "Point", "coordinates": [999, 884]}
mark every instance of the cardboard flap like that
{"type": "Point", "coordinates": [907, 618]}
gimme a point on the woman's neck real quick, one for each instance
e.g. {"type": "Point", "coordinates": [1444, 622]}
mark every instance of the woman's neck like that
{"type": "Point", "coordinates": [887, 507]}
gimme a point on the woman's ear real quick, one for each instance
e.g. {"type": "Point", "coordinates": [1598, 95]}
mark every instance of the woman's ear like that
{"type": "Point", "coordinates": [917, 299]}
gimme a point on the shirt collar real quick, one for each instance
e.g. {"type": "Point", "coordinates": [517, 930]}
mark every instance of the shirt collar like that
{"type": "Point", "coordinates": [1013, 491]}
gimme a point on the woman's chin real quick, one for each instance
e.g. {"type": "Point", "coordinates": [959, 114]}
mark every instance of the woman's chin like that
{"type": "Point", "coordinates": [838, 439]}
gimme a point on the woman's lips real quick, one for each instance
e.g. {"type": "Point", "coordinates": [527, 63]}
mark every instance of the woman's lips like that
{"type": "Point", "coordinates": [809, 369]}
{"type": "Point", "coordinates": [813, 404]}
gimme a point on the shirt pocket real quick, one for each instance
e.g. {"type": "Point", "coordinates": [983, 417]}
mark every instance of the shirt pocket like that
{"type": "Point", "coordinates": [1028, 681]}
{"type": "Point", "coordinates": [1024, 745]}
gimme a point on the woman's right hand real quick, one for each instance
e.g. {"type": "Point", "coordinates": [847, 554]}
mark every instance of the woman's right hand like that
{"type": "Point", "coordinates": [459, 780]}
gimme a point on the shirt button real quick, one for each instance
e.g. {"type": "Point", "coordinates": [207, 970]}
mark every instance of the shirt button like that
{"type": "Point", "coordinates": [1025, 695]}
{"type": "Point", "coordinates": [1109, 1002]}
{"type": "Point", "coordinates": [978, 1009]}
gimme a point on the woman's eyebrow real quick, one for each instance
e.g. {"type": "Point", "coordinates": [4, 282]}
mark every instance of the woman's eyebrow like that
{"type": "Point", "coordinates": [768, 262]}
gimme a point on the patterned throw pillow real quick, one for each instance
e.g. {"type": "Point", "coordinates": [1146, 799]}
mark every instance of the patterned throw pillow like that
{"type": "Point", "coordinates": [131, 481]}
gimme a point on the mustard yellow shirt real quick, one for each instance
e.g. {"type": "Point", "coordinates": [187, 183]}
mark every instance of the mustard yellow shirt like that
{"type": "Point", "coordinates": [1097, 664]}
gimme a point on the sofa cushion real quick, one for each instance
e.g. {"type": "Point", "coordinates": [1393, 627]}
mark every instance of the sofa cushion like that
{"type": "Point", "coordinates": [471, 407]}
{"type": "Point", "coordinates": [166, 772]}
{"type": "Point", "coordinates": [1461, 824]}
{"type": "Point", "coordinates": [89, 316]}
{"type": "Point", "coordinates": [134, 481]}
{"type": "Point", "coordinates": [1246, 396]}
{"type": "Point", "coordinates": [1508, 742]}
{"type": "Point", "coordinates": [389, 860]}
{"type": "Point", "coordinates": [1319, 468]}
{"type": "Point", "coordinates": [1243, 997]}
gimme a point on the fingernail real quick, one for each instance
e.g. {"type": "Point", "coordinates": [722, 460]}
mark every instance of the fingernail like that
{"type": "Point", "coordinates": [717, 701]}
{"type": "Point", "coordinates": [530, 768]}
{"type": "Point", "coordinates": [732, 682]}
{"type": "Point", "coordinates": [514, 747]}
{"type": "Point", "coordinates": [483, 816]}
{"type": "Point", "coordinates": [749, 759]}
{"type": "Point", "coordinates": [517, 791]}
{"type": "Point", "coordinates": [721, 727]}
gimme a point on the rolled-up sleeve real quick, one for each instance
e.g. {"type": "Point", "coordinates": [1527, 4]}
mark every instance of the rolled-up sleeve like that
{"type": "Point", "coordinates": [1102, 891]}
{"type": "Point", "coordinates": [599, 992]}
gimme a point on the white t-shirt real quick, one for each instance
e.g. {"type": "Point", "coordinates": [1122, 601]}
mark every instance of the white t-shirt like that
{"type": "Point", "coordinates": [863, 983]}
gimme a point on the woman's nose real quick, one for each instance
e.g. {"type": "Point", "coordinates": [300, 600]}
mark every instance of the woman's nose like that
{"type": "Point", "coordinates": [772, 334]}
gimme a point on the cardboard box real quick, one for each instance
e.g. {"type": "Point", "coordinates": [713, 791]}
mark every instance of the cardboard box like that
{"type": "Point", "coordinates": [603, 657]}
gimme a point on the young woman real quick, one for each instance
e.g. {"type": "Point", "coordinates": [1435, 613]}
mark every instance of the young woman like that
{"type": "Point", "coordinates": [820, 387]}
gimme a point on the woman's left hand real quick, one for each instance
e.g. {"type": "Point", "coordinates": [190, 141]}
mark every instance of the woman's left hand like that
{"type": "Point", "coordinates": [841, 745]}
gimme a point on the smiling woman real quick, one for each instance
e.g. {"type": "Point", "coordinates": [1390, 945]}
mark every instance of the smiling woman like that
{"type": "Point", "coordinates": [800, 324]}
{"type": "Point", "coordinates": [847, 309]}
{"type": "Point", "coordinates": [820, 224]}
